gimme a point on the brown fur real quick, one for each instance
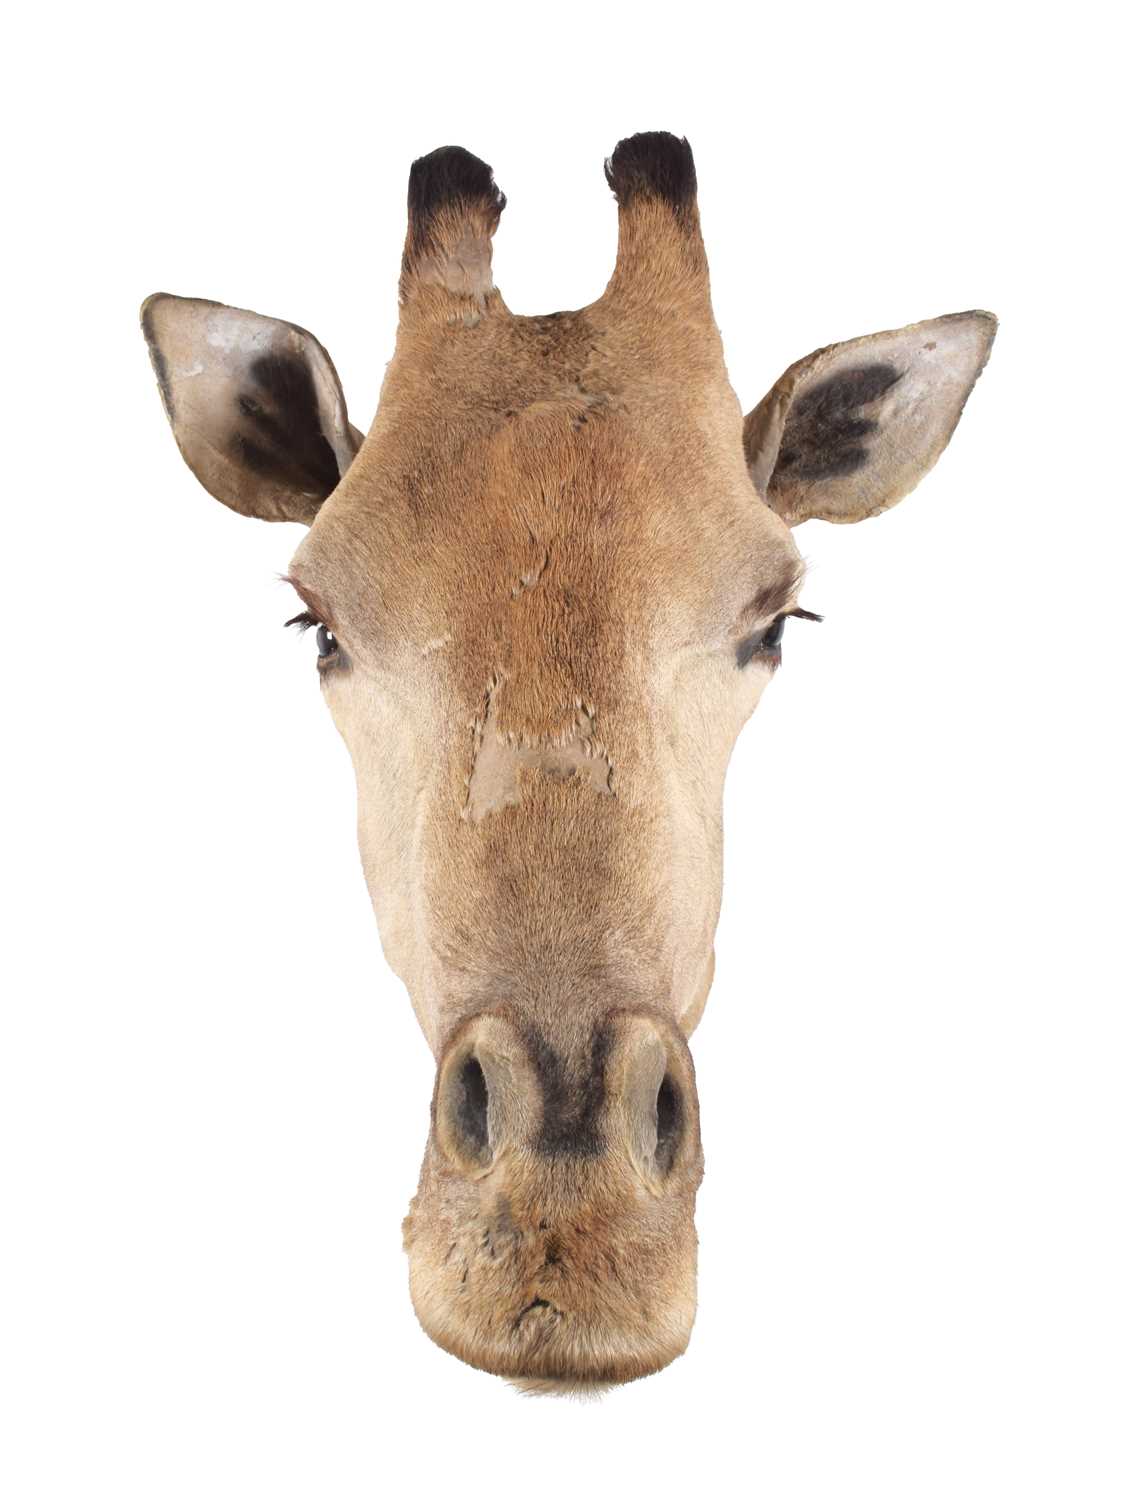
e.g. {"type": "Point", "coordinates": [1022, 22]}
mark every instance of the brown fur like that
{"type": "Point", "coordinates": [538, 569]}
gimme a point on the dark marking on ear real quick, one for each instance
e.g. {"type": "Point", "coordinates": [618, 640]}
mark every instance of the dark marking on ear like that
{"type": "Point", "coordinates": [444, 177]}
{"type": "Point", "coordinates": [279, 436]}
{"type": "Point", "coordinates": [653, 164]}
{"type": "Point", "coordinates": [824, 431]}
{"type": "Point", "coordinates": [571, 1106]}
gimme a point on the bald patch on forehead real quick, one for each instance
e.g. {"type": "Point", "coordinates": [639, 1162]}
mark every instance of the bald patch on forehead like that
{"type": "Point", "coordinates": [495, 781]}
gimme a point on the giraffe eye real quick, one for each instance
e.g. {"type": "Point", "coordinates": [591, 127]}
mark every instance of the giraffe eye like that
{"type": "Point", "coordinates": [768, 643]}
{"type": "Point", "coordinates": [324, 637]}
{"type": "Point", "coordinates": [771, 640]}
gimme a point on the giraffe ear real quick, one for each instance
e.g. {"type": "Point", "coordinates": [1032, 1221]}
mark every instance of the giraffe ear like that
{"type": "Point", "coordinates": [255, 406]}
{"type": "Point", "coordinates": [849, 431]}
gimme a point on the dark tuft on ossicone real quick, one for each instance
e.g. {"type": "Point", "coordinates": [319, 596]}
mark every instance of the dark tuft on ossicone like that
{"type": "Point", "coordinates": [448, 176]}
{"type": "Point", "coordinates": [653, 164]}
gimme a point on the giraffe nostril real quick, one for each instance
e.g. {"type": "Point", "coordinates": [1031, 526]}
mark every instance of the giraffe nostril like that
{"type": "Point", "coordinates": [659, 1105]}
{"type": "Point", "coordinates": [668, 1123]}
{"type": "Point", "coordinates": [463, 1113]}
{"type": "Point", "coordinates": [471, 1107]}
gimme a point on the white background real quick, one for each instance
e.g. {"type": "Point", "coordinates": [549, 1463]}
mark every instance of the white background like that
{"type": "Point", "coordinates": [214, 1097]}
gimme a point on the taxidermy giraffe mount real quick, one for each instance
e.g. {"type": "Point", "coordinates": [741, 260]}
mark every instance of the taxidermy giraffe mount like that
{"type": "Point", "coordinates": [548, 589]}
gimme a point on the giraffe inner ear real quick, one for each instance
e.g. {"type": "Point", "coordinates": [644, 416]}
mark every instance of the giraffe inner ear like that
{"type": "Point", "coordinates": [254, 403]}
{"type": "Point", "coordinates": [828, 431]}
{"type": "Point", "coordinates": [849, 431]}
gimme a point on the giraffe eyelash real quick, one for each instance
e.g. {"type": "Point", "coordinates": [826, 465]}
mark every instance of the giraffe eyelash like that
{"type": "Point", "coordinates": [303, 622]}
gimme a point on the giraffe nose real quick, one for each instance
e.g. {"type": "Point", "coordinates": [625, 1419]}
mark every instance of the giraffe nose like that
{"type": "Point", "coordinates": [552, 1235]}
{"type": "Point", "coordinates": [622, 1092]}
